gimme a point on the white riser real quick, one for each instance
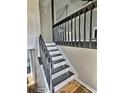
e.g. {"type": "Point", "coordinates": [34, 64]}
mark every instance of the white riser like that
{"type": "Point", "coordinates": [60, 73]}
{"type": "Point", "coordinates": [56, 58]}
{"type": "Point", "coordinates": [50, 44]}
{"type": "Point", "coordinates": [54, 52]}
{"type": "Point", "coordinates": [59, 64]}
{"type": "Point", "coordinates": [56, 88]}
{"type": "Point", "coordinates": [51, 48]}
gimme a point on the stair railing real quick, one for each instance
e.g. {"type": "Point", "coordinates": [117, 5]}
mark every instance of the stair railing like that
{"type": "Point", "coordinates": [66, 32]}
{"type": "Point", "coordinates": [47, 62]}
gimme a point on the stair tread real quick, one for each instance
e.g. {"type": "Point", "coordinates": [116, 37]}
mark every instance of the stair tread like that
{"type": "Point", "coordinates": [61, 78]}
{"type": "Point", "coordinates": [55, 70]}
{"type": "Point", "coordinates": [58, 61]}
{"type": "Point", "coordinates": [51, 45]}
{"type": "Point", "coordinates": [54, 50]}
{"type": "Point", "coordinates": [55, 55]}
{"type": "Point", "coordinates": [49, 42]}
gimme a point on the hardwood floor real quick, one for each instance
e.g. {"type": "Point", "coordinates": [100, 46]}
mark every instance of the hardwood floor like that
{"type": "Point", "coordinates": [31, 86]}
{"type": "Point", "coordinates": [73, 87]}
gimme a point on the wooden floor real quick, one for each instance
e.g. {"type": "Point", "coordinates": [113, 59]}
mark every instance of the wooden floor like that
{"type": "Point", "coordinates": [31, 86]}
{"type": "Point", "coordinates": [73, 87]}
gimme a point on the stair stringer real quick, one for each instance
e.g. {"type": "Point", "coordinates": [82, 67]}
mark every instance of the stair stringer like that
{"type": "Point", "coordinates": [71, 68]}
{"type": "Point", "coordinates": [46, 88]}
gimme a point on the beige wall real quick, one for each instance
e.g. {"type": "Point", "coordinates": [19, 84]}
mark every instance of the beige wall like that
{"type": "Point", "coordinates": [33, 23]}
{"type": "Point", "coordinates": [46, 21]}
{"type": "Point", "coordinates": [85, 63]}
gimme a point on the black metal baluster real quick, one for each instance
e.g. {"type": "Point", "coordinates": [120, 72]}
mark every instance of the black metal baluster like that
{"type": "Point", "coordinates": [90, 46]}
{"type": "Point", "coordinates": [75, 31]}
{"type": "Point", "coordinates": [53, 35]}
{"type": "Point", "coordinates": [58, 35]}
{"type": "Point", "coordinates": [65, 33]}
{"type": "Point", "coordinates": [62, 35]}
{"type": "Point", "coordinates": [71, 34]}
{"type": "Point", "coordinates": [79, 31]}
{"type": "Point", "coordinates": [68, 33]}
{"type": "Point", "coordinates": [84, 29]}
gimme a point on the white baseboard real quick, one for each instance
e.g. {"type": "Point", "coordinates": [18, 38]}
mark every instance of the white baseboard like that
{"type": "Point", "coordinates": [85, 85]}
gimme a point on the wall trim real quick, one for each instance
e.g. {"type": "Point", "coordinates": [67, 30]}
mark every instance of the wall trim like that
{"type": "Point", "coordinates": [85, 85]}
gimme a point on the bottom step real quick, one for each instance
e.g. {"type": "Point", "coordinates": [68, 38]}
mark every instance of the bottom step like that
{"type": "Point", "coordinates": [62, 80]}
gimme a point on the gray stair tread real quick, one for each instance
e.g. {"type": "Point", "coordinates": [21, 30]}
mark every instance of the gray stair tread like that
{"type": "Point", "coordinates": [61, 78]}
{"type": "Point", "coordinates": [49, 42]}
{"type": "Point", "coordinates": [55, 70]}
{"type": "Point", "coordinates": [54, 50]}
{"type": "Point", "coordinates": [55, 55]}
{"type": "Point", "coordinates": [51, 45]}
{"type": "Point", "coordinates": [58, 61]}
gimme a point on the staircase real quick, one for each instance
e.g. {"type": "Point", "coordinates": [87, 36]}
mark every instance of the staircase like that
{"type": "Point", "coordinates": [61, 73]}
{"type": "Point", "coordinates": [58, 71]}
